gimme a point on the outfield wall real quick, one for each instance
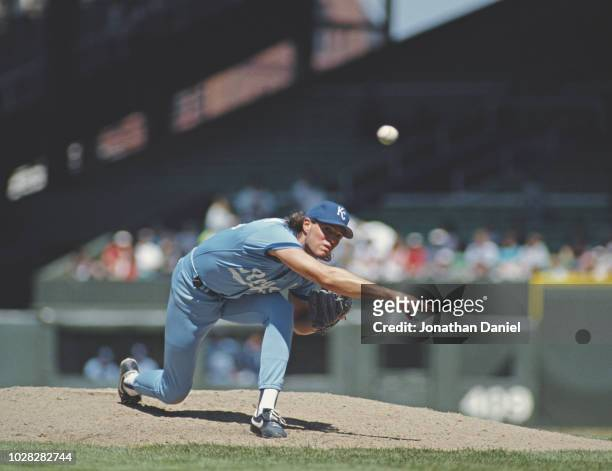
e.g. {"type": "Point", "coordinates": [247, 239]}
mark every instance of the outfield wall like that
{"type": "Point", "coordinates": [550, 381]}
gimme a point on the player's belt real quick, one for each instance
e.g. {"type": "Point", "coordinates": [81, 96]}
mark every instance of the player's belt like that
{"type": "Point", "coordinates": [197, 281]}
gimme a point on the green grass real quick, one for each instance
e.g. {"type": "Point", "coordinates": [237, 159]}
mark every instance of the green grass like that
{"type": "Point", "coordinates": [198, 457]}
{"type": "Point", "coordinates": [601, 433]}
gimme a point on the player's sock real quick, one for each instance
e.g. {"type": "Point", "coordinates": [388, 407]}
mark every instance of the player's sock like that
{"type": "Point", "coordinates": [267, 399]}
{"type": "Point", "coordinates": [128, 382]}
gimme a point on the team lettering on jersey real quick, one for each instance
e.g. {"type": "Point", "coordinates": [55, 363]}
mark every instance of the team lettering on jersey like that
{"type": "Point", "coordinates": [255, 279]}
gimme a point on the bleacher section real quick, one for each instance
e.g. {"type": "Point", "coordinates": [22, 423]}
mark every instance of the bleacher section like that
{"type": "Point", "coordinates": [560, 218]}
{"type": "Point", "coordinates": [476, 109]}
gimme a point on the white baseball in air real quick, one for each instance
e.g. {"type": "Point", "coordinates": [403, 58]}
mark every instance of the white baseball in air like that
{"type": "Point", "coordinates": [387, 135]}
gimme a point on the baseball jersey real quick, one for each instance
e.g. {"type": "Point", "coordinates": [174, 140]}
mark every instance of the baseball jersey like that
{"type": "Point", "coordinates": [235, 261]}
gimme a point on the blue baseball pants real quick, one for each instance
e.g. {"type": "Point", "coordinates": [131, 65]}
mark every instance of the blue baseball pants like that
{"type": "Point", "coordinates": [190, 316]}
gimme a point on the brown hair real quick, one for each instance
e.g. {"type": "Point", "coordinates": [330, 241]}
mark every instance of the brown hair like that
{"type": "Point", "coordinates": [295, 221]}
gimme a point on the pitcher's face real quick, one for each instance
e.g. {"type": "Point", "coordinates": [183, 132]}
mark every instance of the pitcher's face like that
{"type": "Point", "coordinates": [321, 238]}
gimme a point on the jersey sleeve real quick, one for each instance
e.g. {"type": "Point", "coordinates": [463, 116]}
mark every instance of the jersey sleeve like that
{"type": "Point", "coordinates": [270, 237]}
{"type": "Point", "coordinates": [304, 289]}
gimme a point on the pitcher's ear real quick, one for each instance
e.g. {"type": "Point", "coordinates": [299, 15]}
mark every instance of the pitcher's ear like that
{"type": "Point", "coordinates": [307, 225]}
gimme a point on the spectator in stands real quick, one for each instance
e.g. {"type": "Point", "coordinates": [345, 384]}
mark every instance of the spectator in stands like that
{"type": "Point", "coordinates": [86, 268]}
{"type": "Point", "coordinates": [148, 254]}
{"type": "Point", "coordinates": [567, 258]}
{"type": "Point", "coordinates": [118, 258]}
{"type": "Point", "coordinates": [438, 239]}
{"type": "Point", "coordinates": [140, 353]}
{"type": "Point", "coordinates": [509, 248]}
{"type": "Point", "coordinates": [557, 272]}
{"type": "Point", "coordinates": [249, 360]}
{"type": "Point", "coordinates": [251, 352]}
{"type": "Point", "coordinates": [452, 240]}
{"type": "Point", "coordinates": [393, 268]}
{"type": "Point", "coordinates": [383, 238]}
{"type": "Point", "coordinates": [171, 251]}
{"type": "Point", "coordinates": [603, 262]}
{"type": "Point", "coordinates": [481, 254]}
{"type": "Point", "coordinates": [231, 363]}
{"type": "Point", "coordinates": [441, 267]}
{"type": "Point", "coordinates": [363, 261]}
{"type": "Point", "coordinates": [607, 259]}
{"type": "Point", "coordinates": [254, 202]}
{"type": "Point", "coordinates": [586, 261]}
{"type": "Point", "coordinates": [219, 216]}
{"type": "Point", "coordinates": [222, 361]}
{"type": "Point", "coordinates": [102, 368]}
{"type": "Point", "coordinates": [509, 267]}
{"type": "Point", "coordinates": [416, 255]}
{"type": "Point", "coordinates": [373, 244]}
{"type": "Point", "coordinates": [534, 255]}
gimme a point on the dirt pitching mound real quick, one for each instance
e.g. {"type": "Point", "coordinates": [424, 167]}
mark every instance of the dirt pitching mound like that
{"type": "Point", "coordinates": [95, 416]}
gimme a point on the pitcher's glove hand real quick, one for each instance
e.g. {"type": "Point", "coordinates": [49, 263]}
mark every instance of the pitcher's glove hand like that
{"type": "Point", "coordinates": [327, 308]}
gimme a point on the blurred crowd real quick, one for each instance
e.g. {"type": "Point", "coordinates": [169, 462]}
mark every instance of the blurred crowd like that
{"type": "Point", "coordinates": [383, 255]}
{"type": "Point", "coordinates": [228, 361]}
{"type": "Point", "coordinates": [377, 252]}
{"type": "Point", "coordinates": [231, 362]}
{"type": "Point", "coordinates": [152, 253]}
{"type": "Point", "coordinates": [103, 369]}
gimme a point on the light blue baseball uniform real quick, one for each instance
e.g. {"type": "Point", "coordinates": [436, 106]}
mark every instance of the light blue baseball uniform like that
{"type": "Point", "coordinates": [242, 284]}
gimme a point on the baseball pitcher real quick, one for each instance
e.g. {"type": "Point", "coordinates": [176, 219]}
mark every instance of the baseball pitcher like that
{"type": "Point", "coordinates": [238, 275]}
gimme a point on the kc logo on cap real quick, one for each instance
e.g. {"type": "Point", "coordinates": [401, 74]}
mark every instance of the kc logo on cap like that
{"type": "Point", "coordinates": [332, 213]}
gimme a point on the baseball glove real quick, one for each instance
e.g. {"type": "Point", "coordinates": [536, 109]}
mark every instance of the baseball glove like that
{"type": "Point", "coordinates": [327, 308]}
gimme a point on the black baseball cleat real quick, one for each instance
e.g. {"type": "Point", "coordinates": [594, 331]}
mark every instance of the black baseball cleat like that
{"type": "Point", "coordinates": [268, 424]}
{"type": "Point", "coordinates": [126, 367]}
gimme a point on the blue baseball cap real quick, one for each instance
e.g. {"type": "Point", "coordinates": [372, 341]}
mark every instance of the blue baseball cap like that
{"type": "Point", "coordinates": [332, 213]}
